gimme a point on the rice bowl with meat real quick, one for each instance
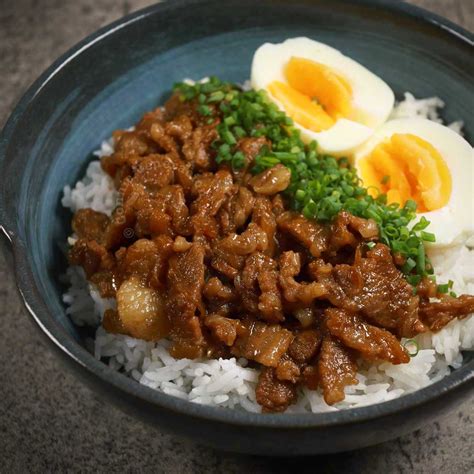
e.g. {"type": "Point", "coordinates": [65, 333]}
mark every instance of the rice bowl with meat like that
{"type": "Point", "coordinates": [224, 368]}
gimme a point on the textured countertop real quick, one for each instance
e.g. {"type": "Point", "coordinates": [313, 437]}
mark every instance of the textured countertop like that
{"type": "Point", "coordinates": [49, 421]}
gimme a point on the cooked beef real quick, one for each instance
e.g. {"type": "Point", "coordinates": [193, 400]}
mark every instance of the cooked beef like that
{"type": "Point", "coordinates": [371, 342]}
{"type": "Point", "coordinates": [90, 225]}
{"type": "Point", "coordinates": [336, 369]}
{"type": "Point", "coordinates": [278, 205]}
{"type": "Point", "coordinates": [227, 263]}
{"type": "Point", "coordinates": [196, 147]}
{"type": "Point", "coordinates": [290, 267]}
{"type": "Point", "coordinates": [164, 246]}
{"type": "Point", "coordinates": [257, 285]}
{"type": "Point", "coordinates": [91, 256]}
{"type": "Point", "coordinates": [271, 181]}
{"type": "Point", "coordinates": [261, 342]}
{"type": "Point", "coordinates": [381, 292]}
{"type": "Point", "coordinates": [287, 369]}
{"type": "Point", "coordinates": [253, 239]}
{"type": "Point", "coordinates": [302, 351]}
{"type": "Point", "coordinates": [214, 289]}
{"type": "Point", "coordinates": [131, 143]}
{"type": "Point", "coordinates": [427, 288]}
{"type": "Point", "coordinates": [165, 142]}
{"type": "Point", "coordinates": [349, 230]}
{"type": "Point", "coordinates": [263, 216]}
{"type": "Point", "coordinates": [181, 128]}
{"type": "Point", "coordinates": [437, 314]}
{"type": "Point", "coordinates": [211, 192]}
{"type": "Point", "coordinates": [246, 283]}
{"type": "Point", "coordinates": [139, 260]}
{"type": "Point", "coordinates": [215, 259]}
{"type": "Point", "coordinates": [184, 305]}
{"type": "Point", "coordinates": [222, 328]}
{"type": "Point", "coordinates": [154, 171]}
{"type": "Point", "coordinates": [310, 377]}
{"type": "Point", "coordinates": [305, 345]}
{"type": "Point", "coordinates": [311, 235]}
{"type": "Point", "coordinates": [146, 259]}
{"type": "Point", "coordinates": [272, 394]}
{"type": "Point", "coordinates": [236, 210]}
{"type": "Point", "coordinates": [270, 305]}
{"type": "Point", "coordinates": [175, 208]}
{"type": "Point", "coordinates": [180, 244]}
{"type": "Point", "coordinates": [229, 254]}
{"type": "Point", "coordinates": [375, 287]}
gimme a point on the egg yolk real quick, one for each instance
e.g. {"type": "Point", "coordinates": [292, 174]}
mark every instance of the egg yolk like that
{"type": "Point", "coordinates": [405, 167]}
{"type": "Point", "coordinates": [314, 96]}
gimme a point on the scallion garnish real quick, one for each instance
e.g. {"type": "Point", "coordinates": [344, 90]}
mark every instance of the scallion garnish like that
{"type": "Point", "coordinates": [204, 110]}
{"type": "Point", "coordinates": [427, 236]}
{"type": "Point", "coordinates": [321, 185]}
{"type": "Point", "coordinates": [411, 346]}
{"type": "Point", "coordinates": [442, 289]}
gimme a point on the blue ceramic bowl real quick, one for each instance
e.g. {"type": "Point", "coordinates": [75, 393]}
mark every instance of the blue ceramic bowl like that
{"type": "Point", "coordinates": [108, 80]}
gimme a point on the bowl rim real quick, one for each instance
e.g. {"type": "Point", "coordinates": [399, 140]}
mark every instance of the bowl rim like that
{"type": "Point", "coordinates": [77, 353]}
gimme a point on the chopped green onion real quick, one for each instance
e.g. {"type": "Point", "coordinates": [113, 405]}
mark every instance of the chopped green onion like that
{"type": "Point", "coordinates": [224, 148]}
{"type": "Point", "coordinates": [228, 137]}
{"type": "Point", "coordinates": [423, 223]}
{"type": "Point", "coordinates": [238, 160]}
{"type": "Point", "coordinates": [300, 195]}
{"type": "Point", "coordinates": [442, 289]}
{"type": "Point", "coordinates": [427, 236]}
{"type": "Point", "coordinates": [409, 265]}
{"type": "Point", "coordinates": [410, 205]}
{"type": "Point", "coordinates": [413, 242]}
{"type": "Point", "coordinates": [229, 120]}
{"type": "Point", "coordinates": [216, 96]}
{"type": "Point", "coordinates": [421, 262]}
{"type": "Point", "coordinates": [204, 110]}
{"type": "Point", "coordinates": [239, 131]}
{"type": "Point", "coordinates": [414, 279]}
{"type": "Point", "coordinates": [412, 347]}
{"type": "Point", "coordinates": [391, 231]}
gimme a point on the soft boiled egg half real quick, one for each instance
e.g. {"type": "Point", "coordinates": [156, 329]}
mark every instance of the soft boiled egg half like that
{"type": "Point", "coordinates": [331, 98]}
{"type": "Point", "coordinates": [429, 163]}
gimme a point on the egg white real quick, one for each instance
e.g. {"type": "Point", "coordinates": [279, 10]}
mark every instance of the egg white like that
{"type": "Point", "coordinates": [372, 98]}
{"type": "Point", "coordinates": [452, 224]}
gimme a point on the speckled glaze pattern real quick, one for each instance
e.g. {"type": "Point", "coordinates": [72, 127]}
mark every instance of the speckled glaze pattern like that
{"type": "Point", "coordinates": [109, 79]}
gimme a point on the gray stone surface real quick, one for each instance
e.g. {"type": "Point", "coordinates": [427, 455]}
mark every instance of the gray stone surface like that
{"type": "Point", "coordinates": [49, 421]}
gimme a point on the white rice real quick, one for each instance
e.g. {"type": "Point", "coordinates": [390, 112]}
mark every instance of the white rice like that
{"type": "Point", "coordinates": [229, 382]}
{"type": "Point", "coordinates": [424, 108]}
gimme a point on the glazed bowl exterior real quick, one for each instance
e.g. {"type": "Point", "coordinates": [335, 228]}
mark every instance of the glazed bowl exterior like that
{"type": "Point", "coordinates": [112, 77]}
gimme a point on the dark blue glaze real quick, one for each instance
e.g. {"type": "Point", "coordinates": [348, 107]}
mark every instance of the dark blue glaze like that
{"type": "Point", "coordinates": [127, 68]}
